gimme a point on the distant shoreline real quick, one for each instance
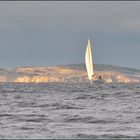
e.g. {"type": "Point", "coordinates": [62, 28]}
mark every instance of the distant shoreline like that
{"type": "Point", "coordinates": [74, 73]}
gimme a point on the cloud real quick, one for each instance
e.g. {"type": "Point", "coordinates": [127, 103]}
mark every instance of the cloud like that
{"type": "Point", "coordinates": [5, 26]}
{"type": "Point", "coordinates": [37, 27]}
{"type": "Point", "coordinates": [97, 16]}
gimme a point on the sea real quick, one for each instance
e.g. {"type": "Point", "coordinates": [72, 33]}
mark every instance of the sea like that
{"type": "Point", "coordinates": [69, 111]}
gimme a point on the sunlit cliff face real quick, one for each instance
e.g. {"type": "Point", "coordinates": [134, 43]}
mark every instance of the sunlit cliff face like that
{"type": "Point", "coordinates": [54, 74]}
{"type": "Point", "coordinates": [60, 74]}
{"type": "Point", "coordinates": [37, 79]}
{"type": "Point", "coordinates": [2, 79]}
{"type": "Point", "coordinates": [110, 77]}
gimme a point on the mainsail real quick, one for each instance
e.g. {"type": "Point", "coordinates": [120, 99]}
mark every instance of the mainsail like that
{"type": "Point", "coordinates": [88, 61]}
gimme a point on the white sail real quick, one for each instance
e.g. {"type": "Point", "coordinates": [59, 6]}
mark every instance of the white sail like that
{"type": "Point", "coordinates": [88, 61]}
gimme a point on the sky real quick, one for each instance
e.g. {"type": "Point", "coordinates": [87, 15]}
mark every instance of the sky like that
{"type": "Point", "coordinates": [52, 33]}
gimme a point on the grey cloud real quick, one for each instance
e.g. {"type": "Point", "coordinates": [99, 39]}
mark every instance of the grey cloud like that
{"type": "Point", "coordinates": [100, 16]}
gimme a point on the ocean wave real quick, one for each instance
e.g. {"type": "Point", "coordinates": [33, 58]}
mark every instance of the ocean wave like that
{"type": "Point", "coordinates": [54, 110]}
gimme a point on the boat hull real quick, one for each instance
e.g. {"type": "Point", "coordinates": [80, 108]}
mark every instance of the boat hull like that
{"type": "Point", "coordinates": [99, 81]}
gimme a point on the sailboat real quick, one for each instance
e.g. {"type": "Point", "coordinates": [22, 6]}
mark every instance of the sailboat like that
{"type": "Point", "coordinates": [90, 66]}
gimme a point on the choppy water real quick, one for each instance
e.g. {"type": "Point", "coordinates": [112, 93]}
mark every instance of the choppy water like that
{"type": "Point", "coordinates": [69, 110]}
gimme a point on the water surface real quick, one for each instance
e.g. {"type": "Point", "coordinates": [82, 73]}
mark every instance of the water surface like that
{"type": "Point", "coordinates": [56, 110]}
